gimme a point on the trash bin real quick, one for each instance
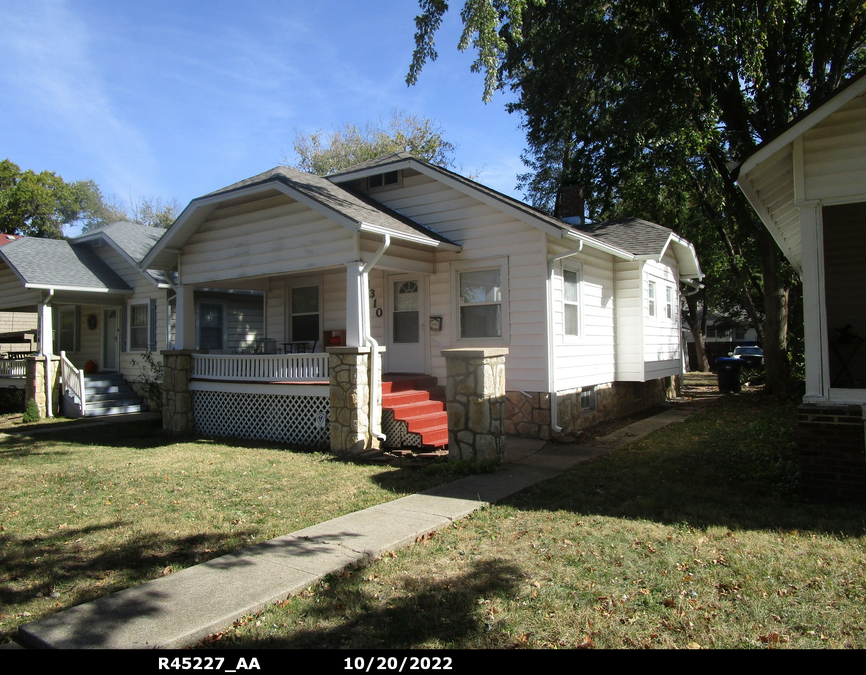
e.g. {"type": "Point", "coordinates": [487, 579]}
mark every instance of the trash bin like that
{"type": "Point", "coordinates": [729, 373]}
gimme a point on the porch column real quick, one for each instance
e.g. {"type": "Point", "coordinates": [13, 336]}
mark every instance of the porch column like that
{"type": "Point", "coordinates": [814, 313]}
{"type": "Point", "coordinates": [354, 303]}
{"type": "Point", "coordinates": [475, 401]}
{"type": "Point", "coordinates": [348, 368]}
{"type": "Point", "coordinates": [46, 328]}
{"type": "Point", "coordinates": [185, 318]}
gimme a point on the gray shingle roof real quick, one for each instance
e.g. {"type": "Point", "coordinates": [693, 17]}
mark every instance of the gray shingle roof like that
{"type": "Point", "coordinates": [347, 203]}
{"type": "Point", "coordinates": [136, 240]}
{"type": "Point", "coordinates": [55, 262]}
{"type": "Point", "coordinates": [635, 235]}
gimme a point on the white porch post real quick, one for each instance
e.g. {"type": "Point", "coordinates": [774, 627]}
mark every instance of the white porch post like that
{"type": "Point", "coordinates": [185, 318]}
{"type": "Point", "coordinates": [354, 303]}
{"type": "Point", "coordinates": [46, 328]}
{"type": "Point", "coordinates": [817, 386]}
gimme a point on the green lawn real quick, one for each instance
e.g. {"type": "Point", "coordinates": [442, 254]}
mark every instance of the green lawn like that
{"type": "Point", "coordinates": [88, 511]}
{"type": "Point", "coordinates": [693, 537]}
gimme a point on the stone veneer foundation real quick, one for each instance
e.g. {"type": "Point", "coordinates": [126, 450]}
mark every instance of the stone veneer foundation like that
{"type": "Point", "coordinates": [831, 451]}
{"type": "Point", "coordinates": [177, 411]}
{"type": "Point", "coordinates": [350, 387]}
{"type": "Point", "coordinates": [475, 401]}
{"type": "Point", "coordinates": [35, 383]}
{"type": "Point", "coordinates": [527, 414]}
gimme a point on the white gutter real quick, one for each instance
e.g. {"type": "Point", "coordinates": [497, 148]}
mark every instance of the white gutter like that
{"type": "Point", "coordinates": [551, 341]}
{"type": "Point", "coordinates": [375, 375]}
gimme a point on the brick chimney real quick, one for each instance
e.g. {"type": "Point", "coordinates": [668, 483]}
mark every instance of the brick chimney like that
{"type": "Point", "coordinates": [571, 204]}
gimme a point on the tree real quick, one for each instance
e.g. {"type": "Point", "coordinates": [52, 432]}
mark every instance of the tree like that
{"type": "Point", "coordinates": [323, 153]}
{"type": "Point", "coordinates": [41, 204]}
{"type": "Point", "coordinates": [612, 93]}
{"type": "Point", "coordinates": [150, 211]}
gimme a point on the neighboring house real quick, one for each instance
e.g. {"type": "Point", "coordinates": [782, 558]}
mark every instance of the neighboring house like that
{"type": "Point", "coordinates": [96, 305]}
{"type": "Point", "coordinates": [808, 185]}
{"type": "Point", "coordinates": [723, 329]}
{"type": "Point", "coordinates": [17, 329]}
{"type": "Point", "coordinates": [396, 253]}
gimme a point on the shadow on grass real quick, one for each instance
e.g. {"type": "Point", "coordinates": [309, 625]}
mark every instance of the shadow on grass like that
{"type": "Point", "coordinates": [733, 465]}
{"type": "Point", "coordinates": [35, 567]}
{"type": "Point", "coordinates": [427, 610]}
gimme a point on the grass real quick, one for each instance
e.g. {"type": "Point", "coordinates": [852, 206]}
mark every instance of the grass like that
{"type": "Point", "coordinates": [692, 537]}
{"type": "Point", "coordinates": [88, 511]}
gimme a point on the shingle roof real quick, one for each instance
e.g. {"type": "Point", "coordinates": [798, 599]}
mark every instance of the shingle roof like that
{"type": "Point", "coordinates": [348, 203]}
{"type": "Point", "coordinates": [55, 262]}
{"type": "Point", "coordinates": [637, 236]}
{"type": "Point", "coordinates": [136, 240]}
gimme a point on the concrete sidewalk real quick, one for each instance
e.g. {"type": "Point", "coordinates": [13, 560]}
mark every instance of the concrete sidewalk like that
{"type": "Point", "coordinates": [185, 607]}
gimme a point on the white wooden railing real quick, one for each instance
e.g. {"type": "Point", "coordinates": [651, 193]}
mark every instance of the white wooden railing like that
{"type": "Point", "coordinates": [73, 380]}
{"type": "Point", "coordinates": [13, 368]}
{"type": "Point", "coordinates": [260, 367]}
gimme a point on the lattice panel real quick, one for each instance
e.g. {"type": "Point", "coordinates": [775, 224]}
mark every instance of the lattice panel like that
{"type": "Point", "coordinates": [397, 434]}
{"type": "Point", "coordinates": [299, 420]}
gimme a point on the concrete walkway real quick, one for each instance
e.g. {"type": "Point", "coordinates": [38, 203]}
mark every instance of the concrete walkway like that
{"type": "Point", "coordinates": [183, 608]}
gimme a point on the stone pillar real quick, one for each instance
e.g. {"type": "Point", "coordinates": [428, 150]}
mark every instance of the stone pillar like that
{"type": "Point", "coordinates": [475, 400]}
{"type": "Point", "coordinates": [35, 383]}
{"type": "Point", "coordinates": [349, 369]}
{"type": "Point", "coordinates": [177, 413]}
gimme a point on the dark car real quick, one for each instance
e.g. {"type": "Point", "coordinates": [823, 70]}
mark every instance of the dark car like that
{"type": "Point", "coordinates": [753, 356]}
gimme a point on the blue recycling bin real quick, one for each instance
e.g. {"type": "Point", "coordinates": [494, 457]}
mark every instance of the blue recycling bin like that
{"type": "Point", "coordinates": [729, 373]}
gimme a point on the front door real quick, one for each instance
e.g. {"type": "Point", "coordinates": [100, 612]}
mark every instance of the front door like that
{"type": "Point", "coordinates": [110, 339]}
{"type": "Point", "coordinates": [407, 323]}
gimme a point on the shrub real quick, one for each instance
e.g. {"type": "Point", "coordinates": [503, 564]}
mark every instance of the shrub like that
{"type": "Point", "coordinates": [31, 412]}
{"type": "Point", "coordinates": [149, 380]}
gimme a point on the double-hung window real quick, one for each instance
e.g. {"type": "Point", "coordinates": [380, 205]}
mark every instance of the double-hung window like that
{"type": "Point", "coordinates": [305, 323]}
{"type": "Point", "coordinates": [651, 299]}
{"type": "Point", "coordinates": [669, 302]}
{"type": "Point", "coordinates": [211, 325]}
{"type": "Point", "coordinates": [482, 303]}
{"type": "Point", "coordinates": [572, 276]}
{"type": "Point", "coordinates": [67, 330]}
{"type": "Point", "coordinates": [138, 327]}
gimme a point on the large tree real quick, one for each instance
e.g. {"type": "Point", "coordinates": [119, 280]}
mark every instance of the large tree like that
{"type": "Point", "coordinates": [323, 152]}
{"type": "Point", "coordinates": [41, 204]}
{"type": "Point", "coordinates": [618, 92]}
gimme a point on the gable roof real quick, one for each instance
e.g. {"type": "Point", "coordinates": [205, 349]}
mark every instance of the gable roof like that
{"type": "Point", "coordinates": [132, 241]}
{"type": "Point", "coordinates": [354, 211]}
{"type": "Point", "coordinates": [524, 212]}
{"type": "Point", "coordinates": [56, 264]}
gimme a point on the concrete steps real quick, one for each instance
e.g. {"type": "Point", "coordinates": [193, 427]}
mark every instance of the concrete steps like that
{"type": "Point", "coordinates": [413, 412]}
{"type": "Point", "coordinates": [109, 394]}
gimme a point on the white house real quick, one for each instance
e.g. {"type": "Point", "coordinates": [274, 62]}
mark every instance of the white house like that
{"type": "Point", "coordinates": [406, 260]}
{"type": "Point", "coordinates": [808, 185]}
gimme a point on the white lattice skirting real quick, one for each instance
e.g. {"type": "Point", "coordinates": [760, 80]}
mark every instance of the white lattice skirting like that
{"type": "Point", "coordinates": [297, 420]}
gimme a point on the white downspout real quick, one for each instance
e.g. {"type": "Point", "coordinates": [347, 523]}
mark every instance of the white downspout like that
{"type": "Point", "coordinates": [366, 336]}
{"type": "Point", "coordinates": [551, 338]}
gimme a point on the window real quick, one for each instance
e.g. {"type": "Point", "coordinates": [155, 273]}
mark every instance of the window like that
{"type": "Point", "coordinates": [384, 179]}
{"type": "Point", "coordinates": [669, 302]}
{"type": "Point", "coordinates": [210, 329]}
{"type": "Point", "coordinates": [66, 330]}
{"type": "Point", "coordinates": [481, 303]}
{"type": "Point", "coordinates": [572, 275]}
{"type": "Point", "coordinates": [588, 399]}
{"type": "Point", "coordinates": [651, 297]}
{"type": "Point", "coordinates": [304, 309]}
{"type": "Point", "coordinates": [406, 312]}
{"type": "Point", "coordinates": [138, 327]}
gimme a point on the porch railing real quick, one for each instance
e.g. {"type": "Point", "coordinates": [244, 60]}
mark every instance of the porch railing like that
{"type": "Point", "coordinates": [73, 381]}
{"type": "Point", "coordinates": [260, 368]}
{"type": "Point", "coordinates": [13, 368]}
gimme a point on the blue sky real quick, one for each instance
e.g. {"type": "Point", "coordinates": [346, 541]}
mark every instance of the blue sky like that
{"type": "Point", "coordinates": [176, 99]}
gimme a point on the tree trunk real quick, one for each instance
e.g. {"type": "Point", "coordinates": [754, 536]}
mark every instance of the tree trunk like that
{"type": "Point", "coordinates": [692, 318]}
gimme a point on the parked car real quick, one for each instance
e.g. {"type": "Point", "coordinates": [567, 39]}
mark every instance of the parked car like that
{"type": "Point", "coordinates": [753, 356]}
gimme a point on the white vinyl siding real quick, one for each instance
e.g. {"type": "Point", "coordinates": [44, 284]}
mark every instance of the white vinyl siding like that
{"type": "Point", "coordinates": [486, 234]}
{"type": "Point", "coordinates": [264, 237]}
{"type": "Point", "coordinates": [834, 154]}
{"type": "Point", "coordinates": [12, 291]}
{"type": "Point", "coordinates": [662, 336]}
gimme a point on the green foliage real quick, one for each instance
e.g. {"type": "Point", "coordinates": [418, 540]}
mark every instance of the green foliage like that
{"type": "Point", "coordinates": [41, 204]}
{"type": "Point", "coordinates": [645, 106]}
{"type": "Point", "coordinates": [149, 378]}
{"type": "Point", "coordinates": [31, 412]}
{"type": "Point", "coordinates": [462, 467]}
{"type": "Point", "coordinates": [323, 153]}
